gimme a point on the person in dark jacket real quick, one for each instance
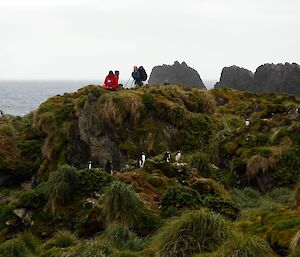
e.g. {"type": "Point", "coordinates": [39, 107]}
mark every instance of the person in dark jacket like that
{"type": "Point", "coordinates": [137, 76]}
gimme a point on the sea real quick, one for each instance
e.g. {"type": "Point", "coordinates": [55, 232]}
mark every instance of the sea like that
{"type": "Point", "coordinates": [21, 97]}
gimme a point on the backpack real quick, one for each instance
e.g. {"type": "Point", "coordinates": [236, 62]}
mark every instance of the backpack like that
{"type": "Point", "coordinates": [143, 73]}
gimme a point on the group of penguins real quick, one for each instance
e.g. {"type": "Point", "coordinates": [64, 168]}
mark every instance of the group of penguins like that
{"type": "Point", "coordinates": [167, 158]}
{"type": "Point", "coordinates": [141, 161]}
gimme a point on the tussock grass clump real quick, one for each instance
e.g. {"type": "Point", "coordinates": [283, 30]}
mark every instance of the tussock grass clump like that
{"type": "Point", "coordinates": [209, 186]}
{"type": "Point", "coordinates": [281, 195]}
{"type": "Point", "coordinates": [61, 187]}
{"type": "Point", "coordinates": [179, 197]}
{"type": "Point", "coordinates": [122, 205]}
{"type": "Point", "coordinates": [247, 198]}
{"type": "Point", "coordinates": [24, 245]}
{"type": "Point", "coordinates": [14, 248]}
{"type": "Point", "coordinates": [246, 246]}
{"type": "Point", "coordinates": [121, 237]}
{"type": "Point", "coordinates": [61, 239]}
{"type": "Point", "coordinates": [201, 162]}
{"type": "Point", "coordinates": [258, 163]}
{"type": "Point", "coordinates": [93, 248]}
{"type": "Point", "coordinates": [118, 108]}
{"type": "Point", "coordinates": [194, 232]}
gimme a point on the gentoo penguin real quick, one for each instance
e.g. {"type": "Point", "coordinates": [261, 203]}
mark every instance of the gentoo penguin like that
{"type": "Point", "coordinates": [178, 156]}
{"type": "Point", "coordinates": [108, 167]}
{"type": "Point", "coordinates": [247, 122]}
{"type": "Point", "coordinates": [167, 157]}
{"type": "Point", "coordinates": [90, 165]}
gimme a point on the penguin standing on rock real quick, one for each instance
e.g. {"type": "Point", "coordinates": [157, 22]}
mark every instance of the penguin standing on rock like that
{"type": "Point", "coordinates": [108, 167]}
{"type": "Point", "coordinates": [167, 157]}
{"type": "Point", "coordinates": [178, 156]}
{"type": "Point", "coordinates": [90, 165]}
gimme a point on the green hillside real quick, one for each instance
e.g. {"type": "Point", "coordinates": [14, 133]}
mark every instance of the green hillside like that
{"type": "Point", "coordinates": [234, 192]}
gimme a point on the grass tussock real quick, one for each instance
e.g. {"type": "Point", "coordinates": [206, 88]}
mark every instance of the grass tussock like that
{"type": "Point", "coordinates": [117, 108]}
{"type": "Point", "coordinates": [61, 239]}
{"type": "Point", "coordinates": [120, 237]}
{"type": "Point", "coordinates": [14, 248]}
{"type": "Point", "coordinates": [258, 164]}
{"type": "Point", "coordinates": [245, 246]}
{"type": "Point", "coordinates": [61, 187]}
{"type": "Point", "coordinates": [24, 245]}
{"type": "Point", "coordinates": [192, 233]}
{"type": "Point", "coordinates": [122, 205]}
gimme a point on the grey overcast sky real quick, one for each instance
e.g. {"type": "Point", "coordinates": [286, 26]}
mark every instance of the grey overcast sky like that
{"type": "Point", "coordinates": [83, 39]}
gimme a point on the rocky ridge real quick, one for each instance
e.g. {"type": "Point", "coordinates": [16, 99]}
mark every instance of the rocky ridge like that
{"type": "Point", "coordinates": [268, 78]}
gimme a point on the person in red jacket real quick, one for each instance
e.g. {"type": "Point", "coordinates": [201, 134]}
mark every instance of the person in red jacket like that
{"type": "Point", "coordinates": [111, 81]}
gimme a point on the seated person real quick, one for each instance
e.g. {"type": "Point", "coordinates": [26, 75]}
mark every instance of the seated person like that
{"type": "Point", "coordinates": [111, 81]}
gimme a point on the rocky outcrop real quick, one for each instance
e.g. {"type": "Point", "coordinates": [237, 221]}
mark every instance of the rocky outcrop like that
{"type": "Point", "coordinates": [177, 73]}
{"type": "Point", "coordinates": [236, 77]}
{"type": "Point", "coordinates": [98, 137]}
{"type": "Point", "coordinates": [278, 78]}
{"type": "Point", "coordinates": [268, 78]}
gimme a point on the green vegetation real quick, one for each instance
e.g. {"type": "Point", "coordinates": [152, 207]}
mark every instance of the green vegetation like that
{"type": "Point", "coordinates": [246, 246]}
{"type": "Point", "coordinates": [195, 232]}
{"type": "Point", "coordinates": [61, 187]}
{"type": "Point", "coordinates": [234, 192]}
{"type": "Point", "coordinates": [121, 237]}
{"type": "Point", "coordinates": [61, 239]}
{"type": "Point", "coordinates": [122, 205]}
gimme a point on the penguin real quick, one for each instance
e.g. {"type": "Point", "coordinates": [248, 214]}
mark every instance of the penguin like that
{"type": "Point", "coordinates": [1, 113]}
{"type": "Point", "coordinates": [140, 163]}
{"type": "Point", "coordinates": [108, 167]}
{"type": "Point", "coordinates": [90, 165]}
{"type": "Point", "coordinates": [178, 156]}
{"type": "Point", "coordinates": [167, 157]}
{"type": "Point", "coordinates": [247, 122]}
{"type": "Point", "coordinates": [143, 159]}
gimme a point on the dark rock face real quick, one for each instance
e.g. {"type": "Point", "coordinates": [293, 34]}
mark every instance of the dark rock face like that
{"type": "Point", "coordinates": [175, 74]}
{"type": "Point", "coordinates": [268, 78]}
{"type": "Point", "coordinates": [98, 139]}
{"type": "Point", "coordinates": [279, 78]}
{"type": "Point", "coordinates": [236, 77]}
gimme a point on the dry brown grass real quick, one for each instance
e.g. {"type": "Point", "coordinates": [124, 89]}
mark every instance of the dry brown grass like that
{"type": "Point", "coordinates": [211, 186]}
{"type": "Point", "coordinates": [109, 112]}
{"type": "Point", "coordinates": [258, 164]}
{"type": "Point", "coordinates": [116, 108]}
{"type": "Point", "coordinates": [295, 242]}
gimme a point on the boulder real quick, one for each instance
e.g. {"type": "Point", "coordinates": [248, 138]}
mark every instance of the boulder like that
{"type": "Point", "coordinates": [177, 73]}
{"type": "Point", "coordinates": [236, 77]}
